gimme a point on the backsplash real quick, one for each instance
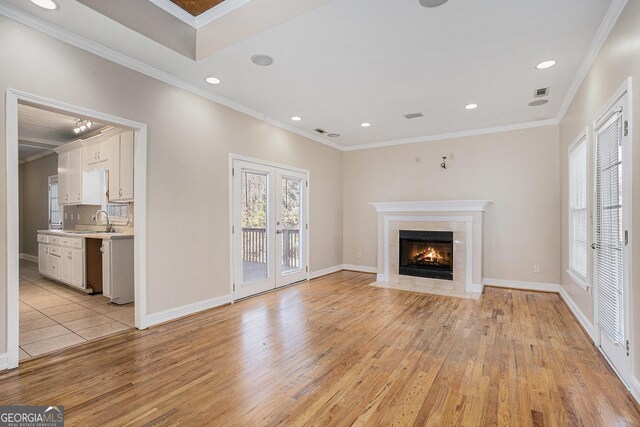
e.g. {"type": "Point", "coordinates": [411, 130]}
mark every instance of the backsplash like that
{"type": "Point", "coordinates": [82, 218]}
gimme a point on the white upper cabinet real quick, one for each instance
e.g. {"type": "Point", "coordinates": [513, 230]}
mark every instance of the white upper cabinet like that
{"type": "Point", "coordinates": [81, 166]}
{"type": "Point", "coordinates": [70, 176]}
{"type": "Point", "coordinates": [76, 186]}
{"type": "Point", "coordinates": [121, 171]}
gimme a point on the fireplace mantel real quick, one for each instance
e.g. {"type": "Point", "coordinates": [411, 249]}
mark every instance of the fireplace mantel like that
{"type": "Point", "coordinates": [433, 206]}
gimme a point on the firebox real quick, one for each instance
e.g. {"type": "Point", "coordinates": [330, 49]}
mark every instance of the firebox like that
{"type": "Point", "coordinates": [426, 254]}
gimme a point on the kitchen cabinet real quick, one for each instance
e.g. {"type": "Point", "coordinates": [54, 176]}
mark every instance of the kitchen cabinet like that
{"type": "Point", "coordinates": [62, 259]}
{"type": "Point", "coordinates": [43, 258]}
{"type": "Point", "coordinates": [118, 270]}
{"type": "Point", "coordinates": [96, 154]}
{"type": "Point", "coordinates": [121, 171]}
{"type": "Point", "coordinates": [76, 186]}
{"type": "Point", "coordinates": [72, 267]}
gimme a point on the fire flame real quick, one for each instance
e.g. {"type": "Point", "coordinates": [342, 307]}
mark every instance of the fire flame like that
{"type": "Point", "coordinates": [429, 255]}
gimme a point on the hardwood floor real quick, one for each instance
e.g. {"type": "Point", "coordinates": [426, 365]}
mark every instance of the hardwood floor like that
{"type": "Point", "coordinates": [336, 351]}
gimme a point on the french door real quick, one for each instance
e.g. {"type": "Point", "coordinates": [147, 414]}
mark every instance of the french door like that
{"type": "Point", "coordinates": [611, 239]}
{"type": "Point", "coordinates": [269, 227]}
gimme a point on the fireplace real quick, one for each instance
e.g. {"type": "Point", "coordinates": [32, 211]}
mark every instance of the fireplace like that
{"type": "Point", "coordinates": [426, 254]}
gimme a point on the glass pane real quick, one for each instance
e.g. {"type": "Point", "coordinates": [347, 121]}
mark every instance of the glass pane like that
{"type": "Point", "coordinates": [291, 223]}
{"type": "Point", "coordinates": [254, 226]}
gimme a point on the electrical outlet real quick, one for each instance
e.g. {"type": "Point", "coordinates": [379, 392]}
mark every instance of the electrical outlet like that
{"type": "Point", "coordinates": [359, 254]}
{"type": "Point", "coordinates": [418, 159]}
{"type": "Point", "coordinates": [536, 268]}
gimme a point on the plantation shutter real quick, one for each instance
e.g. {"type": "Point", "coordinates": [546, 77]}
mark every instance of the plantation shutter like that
{"type": "Point", "coordinates": [578, 209]}
{"type": "Point", "coordinates": [609, 241]}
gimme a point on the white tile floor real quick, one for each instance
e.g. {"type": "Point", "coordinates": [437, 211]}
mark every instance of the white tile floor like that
{"type": "Point", "coordinates": [53, 316]}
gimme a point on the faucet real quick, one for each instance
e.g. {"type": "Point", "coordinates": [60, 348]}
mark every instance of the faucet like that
{"type": "Point", "coordinates": [110, 228]}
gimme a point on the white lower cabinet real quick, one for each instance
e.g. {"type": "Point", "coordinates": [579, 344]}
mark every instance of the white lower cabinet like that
{"type": "Point", "coordinates": [62, 259]}
{"type": "Point", "coordinates": [43, 258]}
{"type": "Point", "coordinates": [54, 266]}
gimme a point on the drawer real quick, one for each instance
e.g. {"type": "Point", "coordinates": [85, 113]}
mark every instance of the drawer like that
{"type": "Point", "coordinates": [71, 242]}
{"type": "Point", "coordinates": [43, 238]}
{"type": "Point", "coordinates": [54, 240]}
{"type": "Point", "coordinates": [54, 250]}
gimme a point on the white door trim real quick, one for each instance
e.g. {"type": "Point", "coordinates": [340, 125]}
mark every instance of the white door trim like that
{"type": "Point", "coordinates": [627, 181]}
{"type": "Point", "coordinates": [307, 204]}
{"type": "Point", "coordinates": [12, 255]}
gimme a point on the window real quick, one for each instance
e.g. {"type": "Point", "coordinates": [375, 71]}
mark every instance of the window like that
{"type": "Point", "coordinates": [118, 212]}
{"type": "Point", "coordinates": [55, 218]}
{"type": "Point", "coordinates": [578, 214]}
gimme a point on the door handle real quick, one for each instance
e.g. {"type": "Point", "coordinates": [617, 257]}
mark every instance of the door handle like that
{"type": "Point", "coordinates": [594, 246]}
{"type": "Point", "coordinates": [278, 231]}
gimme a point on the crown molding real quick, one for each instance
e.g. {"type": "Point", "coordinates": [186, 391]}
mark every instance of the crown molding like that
{"type": "Point", "coordinates": [175, 10]}
{"type": "Point", "coordinates": [109, 54]}
{"type": "Point", "coordinates": [451, 135]}
{"type": "Point", "coordinates": [45, 153]}
{"type": "Point", "coordinates": [203, 19]}
{"type": "Point", "coordinates": [218, 12]}
{"type": "Point", "coordinates": [608, 22]}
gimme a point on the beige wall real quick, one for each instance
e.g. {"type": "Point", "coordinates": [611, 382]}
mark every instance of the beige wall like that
{"type": "Point", "coordinates": [190, 139]}
{"type": "Point", "coordinates": [517, 170]}
{"type": "Point", "coordinates": [618, 59]}
{"type": "Point", "coordinates": [34, 194]}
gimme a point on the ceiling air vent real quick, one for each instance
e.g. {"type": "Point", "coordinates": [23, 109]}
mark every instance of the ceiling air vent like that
{"type": "Point", "coordinates": [539, 93]}
{"type": "Point", "coordinates": [413, 115]}
{"type": "Point", "coordinates": [321, 131]}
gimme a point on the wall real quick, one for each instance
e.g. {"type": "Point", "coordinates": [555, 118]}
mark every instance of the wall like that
{"type": "Point", "coordinates": [517, 170]}
{"type": "Point", "coordinates": [34, 196]}
{"type": "Point", "coordinates": [190, 139]}
{"type": "Point", "coordinates": [618, 59]}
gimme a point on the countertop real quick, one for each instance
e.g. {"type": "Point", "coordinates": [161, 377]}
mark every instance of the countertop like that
{"type": "Point", "coordinates": [87, 234]}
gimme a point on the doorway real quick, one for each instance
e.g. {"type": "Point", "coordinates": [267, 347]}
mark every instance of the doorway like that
{"type": "Point", "coordinates": [14, 101]}
{"type": "Point", "coordinates": [612, 228]}
{"type": "Point", "coordinates": [269, 226]}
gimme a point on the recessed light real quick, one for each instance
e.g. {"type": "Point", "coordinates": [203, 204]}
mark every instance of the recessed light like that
{"type": "Point", "coordinates": [46, 4]}
{"type": "Point", "coordinates": [545, 64]}
{"type": "Point", "coordinates": [432, 3]}
{"type": "Point", "coordinates": [262, 60]}
{"type": "Point", "coordinates": [538, 102]}
{"type": "Point", "coordinates": [213, 80]}
{"type": "Point", "coordinates": [333, 135]}
{"type": "Point", "coordinates": [471, 106]}
{"type": "Point", "coordinates": [365, 125]}
{"type": "Point", "coordinates": [296, 118]}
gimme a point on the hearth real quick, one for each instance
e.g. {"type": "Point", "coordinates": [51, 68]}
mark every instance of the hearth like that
{"type": "Point", "coordinates": [426, 254]}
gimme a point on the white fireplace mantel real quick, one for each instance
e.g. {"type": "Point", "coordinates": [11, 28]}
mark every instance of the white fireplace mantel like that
{"type": "Point", "coordinates": [433, 206]}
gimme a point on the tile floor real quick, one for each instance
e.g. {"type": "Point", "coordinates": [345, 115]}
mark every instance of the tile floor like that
{"type": "Point", "coordinates": [53, 316]}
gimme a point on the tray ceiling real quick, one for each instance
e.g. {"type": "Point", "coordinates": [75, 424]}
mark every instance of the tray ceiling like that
{"type": "Point", "coordinates": [197, 7]}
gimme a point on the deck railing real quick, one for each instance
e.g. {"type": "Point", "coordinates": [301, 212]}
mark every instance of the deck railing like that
{"type": "Point", "coordinates": [254, 246]}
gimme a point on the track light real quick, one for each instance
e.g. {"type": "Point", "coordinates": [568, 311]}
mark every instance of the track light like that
{"type": "Point", "coordinates": [82, 125]}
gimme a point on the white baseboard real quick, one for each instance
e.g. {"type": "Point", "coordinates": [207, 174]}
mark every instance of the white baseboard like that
{"type": "Point", "coordinates": [477, 288]}
{"type": "Point", "coordinates": [586, 324]}
{"type": "Point", "coordinates": [29, 257]}
{"type": "Point", "coordinates": [526, 286]}
{"type": "Point", "coordinates": [4, 362]}
{"type": "Point", "coordinates": [635, 389]}
{"type": "Point", "coordinates": [186, 310]}
{"type": "Point", "coordinates": [361, 268]}
{"type": "Point", "coordinates": [325, 271]}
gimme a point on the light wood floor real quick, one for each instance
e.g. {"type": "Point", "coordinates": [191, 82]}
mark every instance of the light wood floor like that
{"type": "Point", "coordinates": [338, 352]}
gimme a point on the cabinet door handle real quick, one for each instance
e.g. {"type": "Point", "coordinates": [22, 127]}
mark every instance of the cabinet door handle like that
{"type": "Point", "coordinates": [121, 191]}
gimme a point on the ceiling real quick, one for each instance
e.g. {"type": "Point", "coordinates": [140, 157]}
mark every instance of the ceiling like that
{"type": "Point", "coordinates": [40, 131]}
{"type": "Point", "coordinates": [339, 63]}
{"type": "Point", "coordinates": [197, 7]}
